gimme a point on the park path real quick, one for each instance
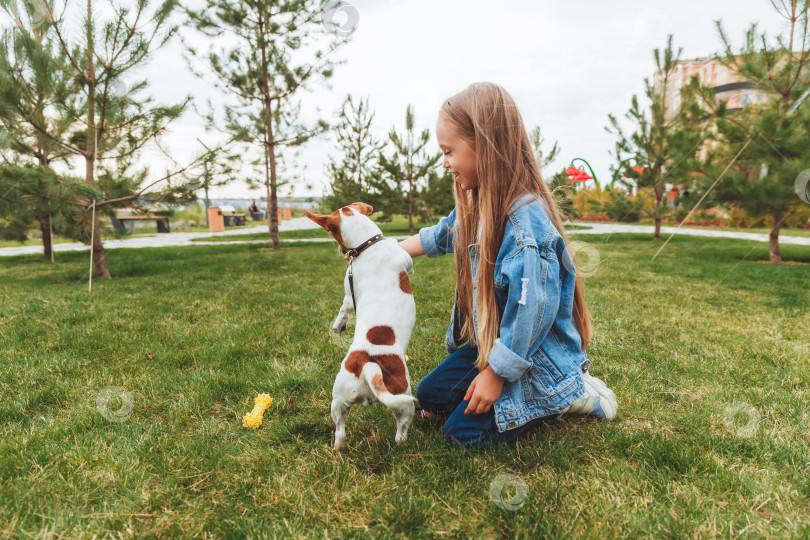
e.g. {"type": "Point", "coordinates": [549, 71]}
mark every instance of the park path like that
{"type": "Point", "coordinates": [164, 239]}
{"type": "Point", "coordinates": [611, 228]}
{"type": "Point", "coordinates": [185, 239]}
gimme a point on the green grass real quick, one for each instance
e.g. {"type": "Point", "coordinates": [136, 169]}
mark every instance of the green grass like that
{"type": "Point", "coordinates": [32, 242]}
{"type": "Point", "coordinates": [196, 332]}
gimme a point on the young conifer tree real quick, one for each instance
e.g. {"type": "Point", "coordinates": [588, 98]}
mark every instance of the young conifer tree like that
{"type": "Point", "coordinates": [666, 140]}
{"type": "Point", "coordinates": [28, 203]}
{"type": "Point", "coordinates": [273, 50]}
{"type": "Point", "coordinates": [405, 173]}
{"type": "Point", "coordinates": [351, 174]}
{"type": "Point", "coordinates": [110, 120]}
{"type": "Point", "coordinates": [776, 130]}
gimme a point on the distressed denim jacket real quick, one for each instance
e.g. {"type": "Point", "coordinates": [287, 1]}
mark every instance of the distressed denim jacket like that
{"type": "Point", "coordinates": [539, 351]}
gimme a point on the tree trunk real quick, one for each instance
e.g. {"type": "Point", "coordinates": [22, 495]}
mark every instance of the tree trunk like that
{"type": "Point", "coordinates": [773, 238]}
{"type": "Point", "coordinates": [47, 241]}
{"type": "Point", "coordinates": [99, 261]}
{"type": "Point", "coordinates": [267, 185]}
{"type": "Point", "coordinates": [272, 201]}
{"type": "Point", "coordinates": [659, 198]}
{"type": "Point", "coordinates": [272, 206]}
{"type": "Point", "coordinates": [410, 213]}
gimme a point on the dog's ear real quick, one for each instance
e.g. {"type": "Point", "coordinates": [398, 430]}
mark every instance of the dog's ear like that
{"type": "Point", "coordinates": [330, 223]}
{"type": "Point", "coordinates": [363, 208]}
{"type": "Point", "coordinates": [318, 218]}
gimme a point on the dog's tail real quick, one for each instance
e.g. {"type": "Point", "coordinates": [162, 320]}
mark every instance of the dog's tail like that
{"type": "Point", "coordinates": [373, 376]}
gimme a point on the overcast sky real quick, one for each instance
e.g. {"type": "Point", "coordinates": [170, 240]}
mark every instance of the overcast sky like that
{"type": "Point", "coordinates": [567, 65]}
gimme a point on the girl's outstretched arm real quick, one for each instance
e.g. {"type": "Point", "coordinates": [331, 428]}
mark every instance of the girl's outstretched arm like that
{"type": "Point", "coordinates": [413, 246]}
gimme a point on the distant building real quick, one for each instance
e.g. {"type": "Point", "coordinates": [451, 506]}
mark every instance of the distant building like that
{"type": "Point", "coordinates": [726, 83]}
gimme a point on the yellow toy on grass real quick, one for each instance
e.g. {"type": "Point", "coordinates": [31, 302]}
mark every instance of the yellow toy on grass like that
{"type": "Point", "coordinates": [253, 419]}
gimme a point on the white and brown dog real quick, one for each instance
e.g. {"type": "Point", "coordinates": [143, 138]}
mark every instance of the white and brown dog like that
{"type": "Point", "coordinates": [377, 288]}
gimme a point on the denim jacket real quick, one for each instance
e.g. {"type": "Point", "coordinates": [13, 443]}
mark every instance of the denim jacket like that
{"type": "Point", "coordinates": [539, 351]}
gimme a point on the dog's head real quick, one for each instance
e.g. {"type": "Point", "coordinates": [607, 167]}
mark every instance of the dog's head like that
{"type": "Point", "coordinates": [338, 222]}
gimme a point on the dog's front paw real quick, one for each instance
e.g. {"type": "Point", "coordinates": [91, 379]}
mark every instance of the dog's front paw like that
{"type": "Point", "coordinates": [339, 326]}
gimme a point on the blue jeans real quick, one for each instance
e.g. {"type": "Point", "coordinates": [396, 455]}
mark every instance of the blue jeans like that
{"type": "Point", "coordinates": [442, 392]}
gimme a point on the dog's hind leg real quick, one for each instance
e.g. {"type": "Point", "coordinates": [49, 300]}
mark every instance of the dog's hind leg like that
{"type": "Point", "coordinates": [339, 412]}
{"type": "Point", "coordinates": [404, 415]}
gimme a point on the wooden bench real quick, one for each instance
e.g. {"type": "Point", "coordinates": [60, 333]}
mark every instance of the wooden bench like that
{"type": "Point", "coordinates": [233, 219]}
{"type": "Point", "coordinates": [127, 223]}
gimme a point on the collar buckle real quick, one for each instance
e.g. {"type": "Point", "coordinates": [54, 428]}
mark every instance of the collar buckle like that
{"type": "Point", "coordinates": [354, 253]}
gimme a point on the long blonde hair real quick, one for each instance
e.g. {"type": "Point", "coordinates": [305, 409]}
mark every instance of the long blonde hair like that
{"type": "Point", "coordinates": [487, 118]}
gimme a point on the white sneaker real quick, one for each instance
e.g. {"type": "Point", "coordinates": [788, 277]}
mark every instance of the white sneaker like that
{"type": "Point", "coordinates": [598, 400]}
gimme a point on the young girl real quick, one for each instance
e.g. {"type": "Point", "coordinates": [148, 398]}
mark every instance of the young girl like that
{"type": "Point", "coordinates": [520, 326]}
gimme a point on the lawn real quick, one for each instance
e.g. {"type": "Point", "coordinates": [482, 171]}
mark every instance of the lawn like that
{"type": "Point", "coordinates": [706, 349]}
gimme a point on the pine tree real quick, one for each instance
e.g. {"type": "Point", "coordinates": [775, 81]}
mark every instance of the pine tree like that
{"type": "Point", "coordinates": [28, 207]}
{"type": "Point", "coordinates": [352, 174]}
{"type": "Point", "coordinates": [109, 122]}
{"type": "Point", "coordinates": [26, 202]}
{"type": "Point", "coordinates": [537, 140]}
{"type": "Point", "coordinates": [402, 175]}
{"type": "Point", "coordinates": [775, 134]}
{"type": "Point", "coordinates": [259, 69]}
{"type": "Point", "coordinates": [666, 140]}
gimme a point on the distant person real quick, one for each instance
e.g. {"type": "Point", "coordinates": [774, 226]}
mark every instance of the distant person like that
{"type": "Point", "coordinates": [673, 194]}
{"type": "Point", "coordinates": [254, 209]}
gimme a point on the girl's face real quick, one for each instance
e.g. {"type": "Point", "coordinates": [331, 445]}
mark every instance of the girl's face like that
{"type": "Point", "coordinates": [459, 157]}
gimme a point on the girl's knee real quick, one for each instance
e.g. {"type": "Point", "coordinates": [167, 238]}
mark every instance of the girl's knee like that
{"type": "Point", "coordinates": [428, 398]}
{"type": "Point", "coordinates": [465, 437]}
{"type": "Point", "coordinates": [423, 392]}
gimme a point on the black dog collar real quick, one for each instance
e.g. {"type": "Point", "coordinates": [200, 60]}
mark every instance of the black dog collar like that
{"type": "Point", "coordinates": [354, 253]}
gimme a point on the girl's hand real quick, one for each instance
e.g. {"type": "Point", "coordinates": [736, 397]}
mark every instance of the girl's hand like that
{"type": "Point", "coordinates": [483, 391]}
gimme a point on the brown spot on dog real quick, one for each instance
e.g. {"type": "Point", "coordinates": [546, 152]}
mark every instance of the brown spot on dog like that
{"type": "Point", "coordinates": [363, 208]}
{"type": "Point", "coordinates": [381, 335]}
{"type": "Point", "coordinates": [393, 370]}
{"type": "Point", "coordinates": [347, 211]}
{"type": "Point", "coordinates": [355, 362]}
{"type": "Point", "coordinates": [394, 378]}
{"type": "Point", "coordinates": [405, 283]}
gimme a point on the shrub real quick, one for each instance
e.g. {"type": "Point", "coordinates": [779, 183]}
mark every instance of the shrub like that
{"type": "Point", "coordinates": [619, 207]}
